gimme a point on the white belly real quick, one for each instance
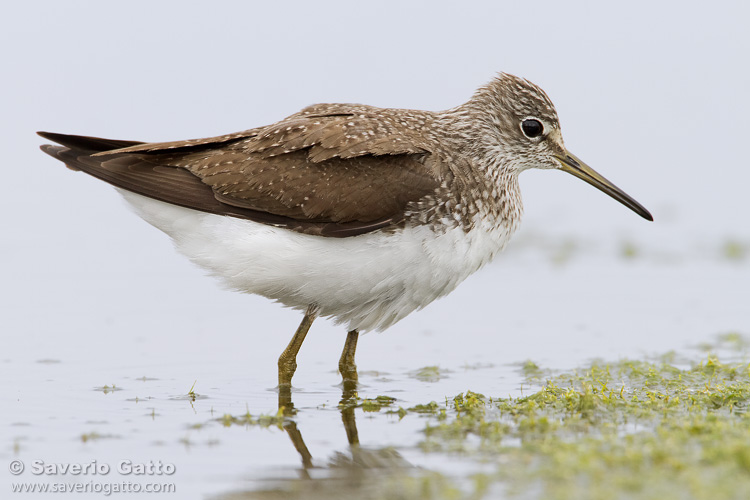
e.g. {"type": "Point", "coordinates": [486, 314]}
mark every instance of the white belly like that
{"type": "Point", "coordinates": [368, 282]}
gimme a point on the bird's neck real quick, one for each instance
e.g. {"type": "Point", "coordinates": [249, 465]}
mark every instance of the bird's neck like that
{"type": "Point", "coordinates": [484, 180]}
{"type": "Point", "coordinates": [498, 200]}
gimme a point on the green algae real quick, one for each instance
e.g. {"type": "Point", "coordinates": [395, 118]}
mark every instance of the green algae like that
{"type": "Point", "coordinates": [368, 405]}
{"type": "Point", "coordinates": [430, 373]}
{"type": "Point", "coordinates": [564, 251]}
{"type": "Point", "coordinates": [631, 429]}
{"type": "Point", "coordinates": [735, 250]}
{"type": "Point", "coordinates": [673, 426]}
{"type": "Point", "coordinates": [376, 404]}
{"type": "Point", "coordinates": [107, 389]}
{"type": "Point", "coordinates": [95, 436]}
{"type": "Point", "coordinates": [629, 250]}
{"type": "Point", "coordinates": [191, 393]}
{"type": "Point", "coordinates": [249, 420]}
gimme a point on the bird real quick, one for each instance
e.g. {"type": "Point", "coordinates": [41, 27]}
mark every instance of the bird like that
{"type": "Point", "coordinates": [350, 212]}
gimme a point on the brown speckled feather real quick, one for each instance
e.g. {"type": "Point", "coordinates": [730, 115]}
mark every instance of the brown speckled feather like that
{"type": "Point", "coordinates": [363, 189]}
{"type": "Point", "coordinates": [330, 169]}
{"type": "Point", "coordinates": [180, 187]}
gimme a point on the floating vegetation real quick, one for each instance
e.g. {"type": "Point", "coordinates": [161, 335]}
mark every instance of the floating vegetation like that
{"type": "Point", "coordinates": [95, 436]}
{"type": "Point", "coordinates": [367, 404]}
{"type": "Point", "coordinates": [531, 370]}
{"type": "Point", "coordinates": [628, 250]}
{"type": "Point", "coordinates": [735, 250]}
{"type": "Point", "coordinates": [631, 429]}
{"type": "Point", "coordinates": [190, 396]}
{"type": "Point", "coordinates": [734, 342]}
{"type": "Point", "coordinates": [662, 427]}
{"type": "Point", "coordinates": [107, 389]}
{"type": "Point", "coordinates": [248, 420]}
{"type": "Point", "coordinates": [191, 393]}
{"type": "Point", "coordinates": [429, 374]}
{"type": "Point", "coordinates": [564, 251]}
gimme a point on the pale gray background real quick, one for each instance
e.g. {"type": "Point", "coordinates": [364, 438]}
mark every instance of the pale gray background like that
{"type": "Point", "coordinates": [652, 94]}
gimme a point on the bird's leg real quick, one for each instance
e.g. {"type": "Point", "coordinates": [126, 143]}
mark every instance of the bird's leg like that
{"type": "Point", "coordinates": [348, 402]}
{"type": "Point", "coordinates": [348, 371]}
{"type": "Point", "coordinates": [347, 368]}
{"type": "Point", "coordinates": [288, 358]}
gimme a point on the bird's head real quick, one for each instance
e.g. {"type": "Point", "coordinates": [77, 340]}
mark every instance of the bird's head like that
{"type": "Point", "coordinates": [520, 130]}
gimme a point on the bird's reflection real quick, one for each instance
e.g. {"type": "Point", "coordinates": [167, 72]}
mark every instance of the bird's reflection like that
{"type": "Point", "coordinates": [348, 474]}
{"type": "Point", "coordinates": [286, 405]}
{"type": "Point", "coordinates": [347, 405]}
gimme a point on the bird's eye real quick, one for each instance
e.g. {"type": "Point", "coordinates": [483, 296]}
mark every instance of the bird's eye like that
{"type": "Point", "coordinates": [532, 128]}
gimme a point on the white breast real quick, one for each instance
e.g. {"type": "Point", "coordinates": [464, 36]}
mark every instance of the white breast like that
{"type": "Point", "coordinates": [368, 282]}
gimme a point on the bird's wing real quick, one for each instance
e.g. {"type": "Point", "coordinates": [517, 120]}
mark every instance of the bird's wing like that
{"type": "Point", "coordinates": [333, 170]}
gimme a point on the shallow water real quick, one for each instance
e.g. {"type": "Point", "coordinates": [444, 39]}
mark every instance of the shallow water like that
{"type": "Point", "coordinates": [92, 298]}
{"type": "Point", "coordinates": [110, 383]}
